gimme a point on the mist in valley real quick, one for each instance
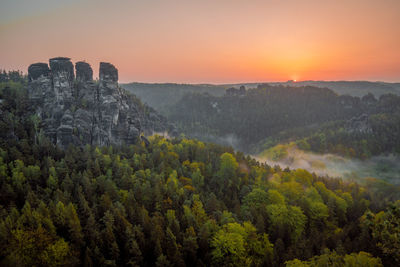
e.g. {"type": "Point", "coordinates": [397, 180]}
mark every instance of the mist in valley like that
{"type": "Point", "coordinates": [384, 167]}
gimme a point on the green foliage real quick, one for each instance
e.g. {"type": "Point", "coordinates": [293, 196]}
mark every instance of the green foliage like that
{"type": "Point", "coordinates": [385, 231]}
{"type": "Point", "coordinates": [36, 248]}
{"type": "Point", "coordinates": [228, 167]}
{"type": "Point", "coordinates": [239, 245]}
{"type": "Point", "coordinates": [361, 259]}
{"type": "Point", "coordinates": [286, 221]}
{"type": "Point", "coordinates": [276, 153]}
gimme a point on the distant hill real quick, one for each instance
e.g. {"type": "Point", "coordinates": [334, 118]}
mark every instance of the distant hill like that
{"type": "Point", "coordinates": [161, 95]}
{"type": "Point", "coordinates": [353, 88]}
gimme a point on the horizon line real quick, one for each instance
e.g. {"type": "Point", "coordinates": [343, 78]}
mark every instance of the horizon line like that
{"type": "Point", "coordinates": [255, 82]}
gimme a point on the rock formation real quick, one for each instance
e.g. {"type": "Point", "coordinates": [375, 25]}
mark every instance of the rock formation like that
{"type": "Point", "coordinates": [82, 111]}
{"type": "Point", "coordinates": [236, 92]}
{"type": "Point", "coordinates": [359, 124]}
{"type": "Point", "coordinates": [84, 72]}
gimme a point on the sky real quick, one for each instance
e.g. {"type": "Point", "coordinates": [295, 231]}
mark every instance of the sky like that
{"type": "Point", "coordinates": [209, 41]}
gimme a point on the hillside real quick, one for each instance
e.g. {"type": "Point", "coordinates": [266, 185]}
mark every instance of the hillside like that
{"type": "Point", "coordinates": [162, 95]}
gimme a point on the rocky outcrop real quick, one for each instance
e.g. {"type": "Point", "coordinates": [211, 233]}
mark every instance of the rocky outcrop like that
{"type": "Point", "coordinates": [359, 124]}
{"type": "Point", "coordinates": [236, 92]}
{"type": "Point", "coordinates": [84, 72]}
{"type": "Point", "coordinates": [82, 111]}
{"type": "Point", "coordinates": [62, 71]}
{"type": "Point", "coordinates": [38, 69]}
{"type": "Point", "coordinates": [108, 72]}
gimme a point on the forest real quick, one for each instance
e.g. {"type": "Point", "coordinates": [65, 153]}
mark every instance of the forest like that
{"type": "Point", "coordinates": [161, 96]}
{"type": "Point", "coordinates": [177, 202]}
{"type": "Point", "coordinates": [317, 119]}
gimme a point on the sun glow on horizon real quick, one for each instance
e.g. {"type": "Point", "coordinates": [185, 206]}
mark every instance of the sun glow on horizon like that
{"type": "Point", "coordinates": [205, 42]}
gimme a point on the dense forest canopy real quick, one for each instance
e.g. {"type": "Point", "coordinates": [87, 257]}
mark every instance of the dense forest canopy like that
{"type": "Point", "coordinates": [178, 202]}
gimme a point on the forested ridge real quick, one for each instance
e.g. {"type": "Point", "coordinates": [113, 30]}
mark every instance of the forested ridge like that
{"type": "Point", "coordinates": [268, 115]}
{"type": "Point", "coordinates": [333, 138]}
{"type": "Point", "coordinates": [177, 202]}
{"type": "Point", "coordinates": [163, 95]}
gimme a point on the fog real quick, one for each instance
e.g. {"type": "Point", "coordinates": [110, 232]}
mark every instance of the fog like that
{"type": "Point", "coordinates": [385, 167]}
{"type": "Point", "coordinates": [226, 140]}
{"type": "Point", "coordinates": [163, 134]}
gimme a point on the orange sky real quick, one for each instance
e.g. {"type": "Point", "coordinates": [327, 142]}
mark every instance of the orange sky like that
{"type": "Point", "coordinates": [209, 41]}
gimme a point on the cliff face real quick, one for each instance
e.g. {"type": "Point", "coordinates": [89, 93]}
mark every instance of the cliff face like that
{"type": "Point", "coordinates": [82, 111]}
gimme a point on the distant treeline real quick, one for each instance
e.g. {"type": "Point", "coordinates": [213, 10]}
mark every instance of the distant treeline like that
{"type": "Point", "coordinates": [13, 75]}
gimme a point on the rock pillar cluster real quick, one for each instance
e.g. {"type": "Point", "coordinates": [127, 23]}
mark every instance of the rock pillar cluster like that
{"type": "Point", "coordinates": [82, 111]}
